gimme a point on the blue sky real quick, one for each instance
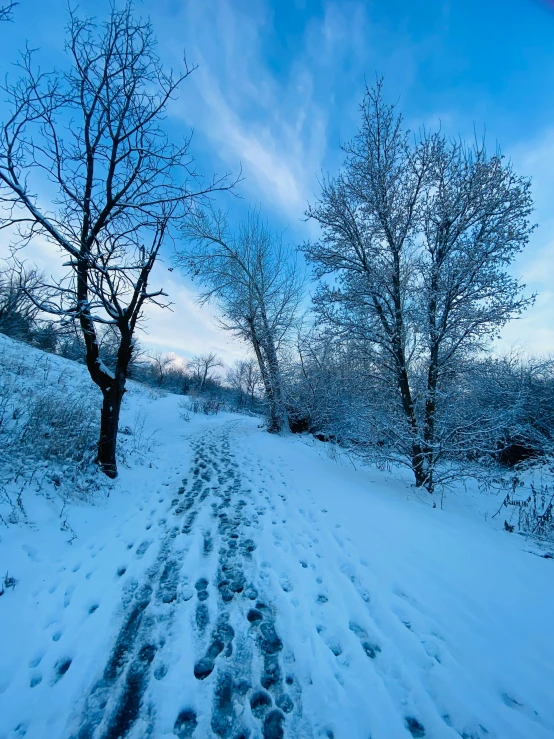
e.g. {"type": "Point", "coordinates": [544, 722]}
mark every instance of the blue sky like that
{"type": "Point", "coordinates": [278, 86]}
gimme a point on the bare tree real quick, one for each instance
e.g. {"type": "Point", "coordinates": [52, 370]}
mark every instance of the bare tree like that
{"type": "Point", "coordinates": [6, 12]}
{"type": "Point", "coordinates": [235, 379]}
{"type": "Point", "coordinates": [94, 138]}
{"type": "Point", "coordinates": [419, 235]}
{"type": "Point", "coordinates": [251, 377]}
{"type": "Point", "coordinates": [161, 364]}
{"type": "Point", "coordinates": [245, 378]}
{"type": "Point", "coordinates": [18, 312]}
{"type": "Point", "coordinates": [201, 365]}
{"type": "Point", "coordinates": [256, 282]}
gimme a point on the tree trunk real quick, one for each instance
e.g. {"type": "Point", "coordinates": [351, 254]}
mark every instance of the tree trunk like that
{"type": "Point", "coordinates": [417, 456]}
{"type": "Point", "coordinates": [267, 384]}
{"type": "Point", "coordinates": [113, 390]}
{"type": "Point", "coordinates": [203, 381]}
{"type": "Point", "coordinates": [109, 425]}
{"type": "Point", "coordinates": [274, 425]}
{"type": "Point", "coordinates": [279, 415]}
{"type": "Point", "coordinates": [280, 420]}
{"type": "Point", "coordinates": [430, 415]}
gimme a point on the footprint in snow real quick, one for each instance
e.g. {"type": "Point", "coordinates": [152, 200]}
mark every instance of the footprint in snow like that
{"type": "Point", "coordinates": [142, 548]}
{"type": "Point", "coordinates": [61, 667]}
{"type": "Point", "coordinates": [330, 641]}
{"type": "Point", "coordinates": [160, 671]}
{"type": "Point", "coordinates": [414, 727]}
{"type": "Point", "coordinates": [67, 596]}
{"type": "Point", "coordinates": [35, 680]}
{"type": "Point", "coordinates": [286, 584]}
{"type": "Point", "coordinates": [32, 553]}
{"type": "Point", "coordinates": [185, 724]}
{"type": "Point", "coordinates": [371, 649]}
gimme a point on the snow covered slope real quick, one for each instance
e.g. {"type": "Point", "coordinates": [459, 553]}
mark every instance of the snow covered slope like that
{"type": "Point", "coordinates": [235, 584]}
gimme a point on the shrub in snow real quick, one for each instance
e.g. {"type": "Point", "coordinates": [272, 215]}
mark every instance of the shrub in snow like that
{"type": "Point", "coordinates": [48, 428]}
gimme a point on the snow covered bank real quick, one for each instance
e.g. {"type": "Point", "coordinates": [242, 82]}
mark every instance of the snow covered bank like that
{"type": "Point", "coordinates": [234, 583]}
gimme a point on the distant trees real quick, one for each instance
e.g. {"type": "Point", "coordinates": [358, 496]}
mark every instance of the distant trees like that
{"type": "Point", "coordinates": [245, 378]}
{"type": "Point", "coordinates": [417, 235]}
{"type": "Point", "coordinates": [92, 138]}
{"type": "Point", "coordinates": [160, 364]}
{"type": "Point", "coordinates": [255, 280]}
{"type": "Point", "coordinates": [200, 367]}
{"type": "Point", "coordinates": [18, 312]}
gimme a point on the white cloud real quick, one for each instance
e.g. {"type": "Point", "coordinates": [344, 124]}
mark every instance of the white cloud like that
{"type": "Point", "coordinates": [534, 332]}
{"type": "Point", "coordinates": [186, 329]}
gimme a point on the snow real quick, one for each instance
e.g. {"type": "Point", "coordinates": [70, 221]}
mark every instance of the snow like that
{"type": "Point", "coordinates": [363, 611]}
{"type": "Point", "coordinates": [105, 370]}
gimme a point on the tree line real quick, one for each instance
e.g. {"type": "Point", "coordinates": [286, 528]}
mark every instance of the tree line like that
{"type": "Point", "coordinates": [411, 269]}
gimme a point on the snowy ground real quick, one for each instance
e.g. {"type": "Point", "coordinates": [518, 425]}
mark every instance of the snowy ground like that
{"type": "Point", "coordinates": [236, 584]}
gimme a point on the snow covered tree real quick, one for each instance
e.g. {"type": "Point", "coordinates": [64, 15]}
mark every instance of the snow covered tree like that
{"type": "Point", "coordinates": [512, 398]}
{"type": "Point", "coordinates": [418, 234]}
{"type": "Point", "coordinates": [86, 164]}
{"type": "Point", "coordinates": [256, 282]}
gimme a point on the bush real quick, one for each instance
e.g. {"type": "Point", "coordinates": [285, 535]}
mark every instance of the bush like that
{"type": "Point", "coordinates": [48, 430]}
{"type": "Point", "coordinates": [207, 405]}
{"type": "Point", "coordinates": [532, 494]}
{"type": "Point", "coordinates": [60, 427]}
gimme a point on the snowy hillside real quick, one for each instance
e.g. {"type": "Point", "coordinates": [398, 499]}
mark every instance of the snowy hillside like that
{"type": "Point", "coordinates": [231, 583]}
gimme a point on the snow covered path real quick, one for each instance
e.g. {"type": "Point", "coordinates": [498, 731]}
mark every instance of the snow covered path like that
{"type": "Point", "coordinates": [261, 590]}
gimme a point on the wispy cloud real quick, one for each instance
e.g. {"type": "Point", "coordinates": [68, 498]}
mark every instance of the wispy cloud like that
{"type": "Point", "coordinates": [272, 118]}
{"type": "Point", "coordinates": [277, 93]}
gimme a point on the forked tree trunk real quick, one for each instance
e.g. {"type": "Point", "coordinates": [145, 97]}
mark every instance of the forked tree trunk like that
{"type": "Point", "coordinates": [113, 390]}
{"type": "Point", "coordinates": [416, 454]}
{"type": "Point", "coordinates": [203, 382]}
